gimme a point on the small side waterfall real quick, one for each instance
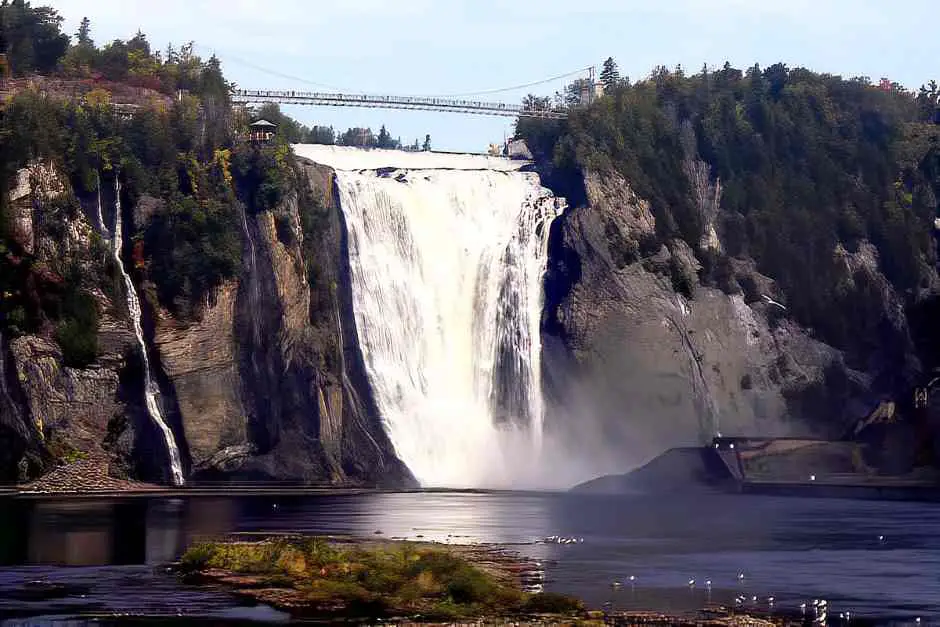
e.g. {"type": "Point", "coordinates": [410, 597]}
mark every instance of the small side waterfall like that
{"type": "Point", "coordinates": [133, 306]}
{"type": "Point", "coordinates": [254, 294]}
{"type": "Point", "coordinates": [101, 222]}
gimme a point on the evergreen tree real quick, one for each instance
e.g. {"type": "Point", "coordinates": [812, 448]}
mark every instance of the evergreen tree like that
{"type": "Point", "coordinates": [427, 143]}
{"type": "Point", "coordinates": [83, 36]}
{"type": "Point", "coordinates": [385, 139]}
{"type": "Point", "coordinates": [610, 75]}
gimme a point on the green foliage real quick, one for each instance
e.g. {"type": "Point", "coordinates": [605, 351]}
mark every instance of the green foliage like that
{"type": "Point", "coordinates": [377, 580]}
{"type": "Point", "coordinates": [192, 247]}
{"type": "Point", "coordinates": [552, 603]}
{"type": "Point", "coordinates": [77, 332]}
{"type": "Point", "coordinates": [261, 175]}
{"type": "Point", "coordinates": [805, 161]}
{"type": "Point", "coordinates": [31, 37]}
{"type": "Point", "coordinates": [177, 152]}
{"type": "Point", "coordinates": [197, 557]}
{"type": "Point", "coordinates": [610, 75]}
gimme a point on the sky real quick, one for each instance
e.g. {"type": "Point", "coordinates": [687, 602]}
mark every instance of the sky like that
{"type": "Point", "coordinates": [442, 47]}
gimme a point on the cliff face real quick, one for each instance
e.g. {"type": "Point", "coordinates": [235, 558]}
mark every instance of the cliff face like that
{"type": "Point", "coordinates": [641, 357]}
{"type": "Point", "coordinates": [266, 383]}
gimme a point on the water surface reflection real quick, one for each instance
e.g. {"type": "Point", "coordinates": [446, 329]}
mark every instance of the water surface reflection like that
{"type": "Point", "coordinates": [792, 549]}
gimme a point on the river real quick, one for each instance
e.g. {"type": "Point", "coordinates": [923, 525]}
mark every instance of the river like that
{"type": "Point", "coordinates": [66, 559]}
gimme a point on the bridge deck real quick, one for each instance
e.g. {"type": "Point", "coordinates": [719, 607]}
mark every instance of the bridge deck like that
{"type": "Point", "coordinates": [253, 96]}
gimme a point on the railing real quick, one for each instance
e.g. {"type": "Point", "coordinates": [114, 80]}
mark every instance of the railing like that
{"type": "Point", "coordinates": [252, 96]}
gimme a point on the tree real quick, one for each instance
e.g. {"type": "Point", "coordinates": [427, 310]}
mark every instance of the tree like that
{"type": "Point", "coordinates": [385, 139]}
{"type": "Point", "coordinates": [427, 143]}
{"type": "Point", "coordinates": [321, 135]}
{"type": "Point", "coordinates": [83, 36]}
{"type": "Point", "coordinates": [535, 103]}
{"type": "Point", "coordinates": [610, 75]}
{"type": "Point", "coordinates": [31, 37]}
{"type": "Point", "coordinates": [578, 92]}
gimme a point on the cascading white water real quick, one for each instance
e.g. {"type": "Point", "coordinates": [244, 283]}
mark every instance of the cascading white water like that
{"type": "Point", "coordinates": [447, 264]}
{"type": "Point", "coordinates": [133, 306]}
{"type": "Point", "coordinates": [101, 224]}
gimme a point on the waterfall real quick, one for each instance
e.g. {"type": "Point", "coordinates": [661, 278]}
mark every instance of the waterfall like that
{"type": "Point", "coordinates": [446, 269]}
{"type": "Point", "coordinates": [101, 223]}
{"type": "Point", "coordinates": [254, 293]}
{"type": "Point", "coordinates": [133, 306]}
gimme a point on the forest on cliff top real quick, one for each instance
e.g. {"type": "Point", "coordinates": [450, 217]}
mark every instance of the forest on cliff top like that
{"type": "Point", "coordinates": [805, 162]}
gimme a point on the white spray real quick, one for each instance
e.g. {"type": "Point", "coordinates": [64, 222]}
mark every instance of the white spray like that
{"type": "Point", "coordinates": [133, 306]}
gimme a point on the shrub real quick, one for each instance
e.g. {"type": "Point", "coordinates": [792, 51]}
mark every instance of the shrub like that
{"type": "Point", "coordinates": [198, 557]}
{"type": "Point", "coordinates": [552, 603]}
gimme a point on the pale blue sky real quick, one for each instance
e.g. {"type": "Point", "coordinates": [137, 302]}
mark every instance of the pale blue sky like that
{"type": "Point", "coordinates": [431, 47]}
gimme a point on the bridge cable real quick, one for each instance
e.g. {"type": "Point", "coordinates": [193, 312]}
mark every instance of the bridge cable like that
{"type": "Point", "coordinates": [239, 61]}
{"type": "Point", "coordinates": [357, 92]}
{"type": "Point", "coordinates": [513, 88]}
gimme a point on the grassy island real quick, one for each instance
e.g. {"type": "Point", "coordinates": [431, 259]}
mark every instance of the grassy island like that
{"type": "Point", "coordinates": [376, 579]}
{"type": "Point", "coordinates": [368, 580]}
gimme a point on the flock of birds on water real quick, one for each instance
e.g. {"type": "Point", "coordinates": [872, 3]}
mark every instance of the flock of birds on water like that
{"type": "Point", "coordinates": [819, 608]}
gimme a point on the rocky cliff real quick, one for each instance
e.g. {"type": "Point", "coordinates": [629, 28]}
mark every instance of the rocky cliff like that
{"type": "Point", "coordinates": [266, 382]}
{"type": "Point", "coordinates": [641, 356]}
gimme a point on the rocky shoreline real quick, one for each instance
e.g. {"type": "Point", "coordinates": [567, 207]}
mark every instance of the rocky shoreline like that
{"type": "Point", "coordinates": [84, 476]}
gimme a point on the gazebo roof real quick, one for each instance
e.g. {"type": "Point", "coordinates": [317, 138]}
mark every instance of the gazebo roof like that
{"type": "Point", "coordinates": [264, 123]}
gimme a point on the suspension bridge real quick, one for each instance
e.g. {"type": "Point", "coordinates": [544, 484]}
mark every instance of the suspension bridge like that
{"type": "Point", "coordinates": [585, 88]}
{"type": "Point", "coordinates": [414, 103]}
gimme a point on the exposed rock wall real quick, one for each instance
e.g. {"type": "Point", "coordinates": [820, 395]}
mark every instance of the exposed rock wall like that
{"type": "Point", "coordinates": [200, 361]}
{"type": "Point", "coordinates": [640, 357]}
{"type": "Point", "coordinates": [262, 381]}
{"type": "Point", "coordinates": [267, 383]}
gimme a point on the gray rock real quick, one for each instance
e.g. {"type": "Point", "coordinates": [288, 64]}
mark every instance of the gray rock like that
{"type": "Point", "coordinates": [634, 368]}
{"type": "Point", "coordinates": [145, 209]}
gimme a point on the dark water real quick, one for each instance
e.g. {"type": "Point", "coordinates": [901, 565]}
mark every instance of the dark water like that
{"type": "Point", "coordinates": [93, 558]}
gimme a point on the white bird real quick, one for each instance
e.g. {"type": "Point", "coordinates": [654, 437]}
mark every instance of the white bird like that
{"type": "Point", "coordinates": [691, 583]}
{"type": "Point", "coordinates": [708, 583]}
{"type": "Point", "coordinates": [772, 302]}
{"type": "Point", "coordinates": [616, 585]}
{"type": "Point", "coordinates": [632, 578]}
{"type": "Point", "coordinates": [740, 576]}
{"type": "Point", "coordinates": [881, 538]}
{"type": "Point", "coordinates": [803, 608]}
{"type": "Point", "coordinates": [812, 477]}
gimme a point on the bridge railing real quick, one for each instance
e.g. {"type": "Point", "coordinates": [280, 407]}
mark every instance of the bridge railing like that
{"type": "Point", "coordinates": [391, 102]}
